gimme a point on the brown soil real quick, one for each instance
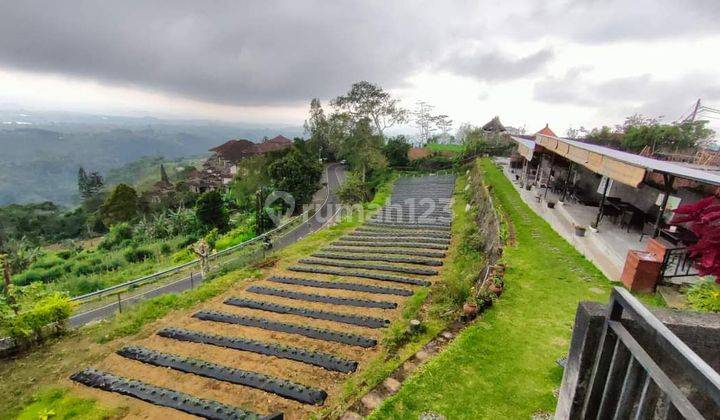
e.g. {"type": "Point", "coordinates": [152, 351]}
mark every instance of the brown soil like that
{"type": "Point", "coordinates": [246, 397]}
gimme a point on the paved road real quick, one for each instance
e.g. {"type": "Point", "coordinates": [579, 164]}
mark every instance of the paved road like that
{"type": "Point", "coordinates": [335, 174]}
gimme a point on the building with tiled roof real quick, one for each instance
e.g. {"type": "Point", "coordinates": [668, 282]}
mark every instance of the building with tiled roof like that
{"type": "Point", "coordinates": [546, 131]}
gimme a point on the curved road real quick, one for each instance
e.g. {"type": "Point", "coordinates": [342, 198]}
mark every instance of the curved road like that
{"type": "Point", "coordinates": [335, 174]}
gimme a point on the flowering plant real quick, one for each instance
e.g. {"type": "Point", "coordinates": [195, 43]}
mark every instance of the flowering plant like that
{"type": "Point", "coordinates": [703, 218]}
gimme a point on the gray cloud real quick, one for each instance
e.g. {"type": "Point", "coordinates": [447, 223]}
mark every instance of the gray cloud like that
{"type": "Point", "coordinates": [494, 65]}
{"type": "Point", "coordinates": [282, 52]}
{"type": "Point", "coordinates": [626, 95]}
{"type": "Point", "coordinates": [603, 21]}
{"type": "Point", "coordinates": [227, 51]}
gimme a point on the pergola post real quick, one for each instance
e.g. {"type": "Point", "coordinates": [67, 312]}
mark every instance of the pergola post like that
{"type": "Point", "coordinates": [547, 184]}
{"type": "Point", "coordinates": [602, 203]}
{"type": "Point", "coordinates": [539, 169]}
{"type": "Point", "coordinates": [668, 181]}
{"type": "Point", "coordinates": [567, 181]}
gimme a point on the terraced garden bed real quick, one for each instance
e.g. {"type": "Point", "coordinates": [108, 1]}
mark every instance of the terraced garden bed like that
{"type": "Point", "coordinates": [289, 342]}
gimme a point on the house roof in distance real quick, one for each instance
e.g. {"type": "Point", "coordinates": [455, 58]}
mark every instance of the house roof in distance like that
{"type": "Point", "coordinates": [494, 125]}
{"type": "Point", "coordinates": [234, 150]}
{"type": "Point", "coordinates": [546, 131]}
{"type": "Point", "coordinates": [276, 143]}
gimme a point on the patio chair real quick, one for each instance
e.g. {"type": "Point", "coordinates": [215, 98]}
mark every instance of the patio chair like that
{"type": "Point", "coordinates": [649, 219]}
{"type": "Point", "coordinates": [626, 219]}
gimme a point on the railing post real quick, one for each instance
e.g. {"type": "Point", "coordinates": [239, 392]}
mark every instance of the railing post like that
{"type": "Point", "coordinates": [192, 286]}
{"type": "Point", "coordinates": [119, 303]}
{"type": "Point", "coordinates": [603, 361]}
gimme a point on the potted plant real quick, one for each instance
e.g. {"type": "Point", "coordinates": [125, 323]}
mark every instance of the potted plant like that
{"type": "Point", "coordinates": [579, 230]}
{"type": "Point", "coordinates": [470, 307]}
{"type": "Point", "coordinates": [486, 298]}
{"type": "Point", "coordinates": [496, 285]}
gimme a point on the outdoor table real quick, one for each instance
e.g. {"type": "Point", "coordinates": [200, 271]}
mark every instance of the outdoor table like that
{"type": "Point", "coordinates": [681, 235]}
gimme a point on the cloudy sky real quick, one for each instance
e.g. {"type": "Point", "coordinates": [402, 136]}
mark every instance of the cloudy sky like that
{"type": "Point", "coordinates": [568, 63]}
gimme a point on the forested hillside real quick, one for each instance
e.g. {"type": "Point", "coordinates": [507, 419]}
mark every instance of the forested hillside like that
{"type": "Point", "coordinates": [39, 162]}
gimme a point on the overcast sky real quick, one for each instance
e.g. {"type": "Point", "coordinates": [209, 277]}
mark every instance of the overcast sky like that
{"type": "Point", "coordinates": [567, 63]}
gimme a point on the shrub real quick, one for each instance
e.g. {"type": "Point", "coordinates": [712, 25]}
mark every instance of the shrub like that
{"type": "Point", "coordinates": [27, 277]}
{"type": "Point", "coordinates": [165, 249]}
{"type": "Point", "coordinates": [118, 236]}
{"type": "Point", "coordinates": [704, 297]}
{"type": "Point", "coordinates": [112, 264]}
{"type": "Point", "coordinates": [47, 262]}
{"type": "Point", "coordinates": [33, 309]}
{"type": "Point", "coordinates": [66, 253]}
{"type": "Point", "coordinates": [86, 285]}
{"type": "Point", "coordinates": [134, 255]}
{"type": "Point", "coordinates": [182, 256]}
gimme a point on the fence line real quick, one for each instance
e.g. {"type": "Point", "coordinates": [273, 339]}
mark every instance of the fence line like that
{"type": "Point", "coordinates": [152, 277]}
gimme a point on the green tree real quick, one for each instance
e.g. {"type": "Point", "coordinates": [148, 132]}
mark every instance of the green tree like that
{"type": "Point", "coordinates": [369, 101]}
{"type": "Point", "coordinates": [211, 212]}
{"type": "Point", "coordinates": [120, 206]}
{"type": "Point", "coordinates": [298, 174]}
{"type": "Point", "coordinates": [396, 151]}
{"type": "Point", "coordinates": [318, 127]}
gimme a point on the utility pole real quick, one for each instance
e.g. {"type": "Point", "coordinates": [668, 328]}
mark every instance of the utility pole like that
{"type": "Point", "coordinates": [695, 111]}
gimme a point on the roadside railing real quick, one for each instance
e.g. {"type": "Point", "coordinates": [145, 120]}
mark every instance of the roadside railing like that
{"type": "Point", "coordinates": [646, 371]}
{"type": "Point", "coordinates": [152, 278]}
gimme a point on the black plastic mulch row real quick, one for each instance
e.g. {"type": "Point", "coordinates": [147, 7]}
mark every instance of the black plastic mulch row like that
{"type": "Point", "coordinates": [387, 232]}
{"type": "Point", "coordinates": [395, 239]}
{"type": "Point", "coordinates": [281, 387]}
{"type": "Point", "coordinates": [165, 397]}
{"type": "Point", "coordinates": [363, 321]}
{"type": "Point", "coordinates": [360, 249]}
{"type": "Point", "coordinates": [364, 275]}
{"type": "Point", "coordinates": [381, 258]}
{"type": "Point", "coordinates": [376, 267]}
{"type": "Point", "coordinates": [391, 245]}
{"type": "Point", "coordinates": [266, 324]}
{"type": "Point", "coordinates": [323, 360]}
{"type": "Point", "coordinates": [333, 300]}
{"type": "Point", "coordinates": [358, 287]}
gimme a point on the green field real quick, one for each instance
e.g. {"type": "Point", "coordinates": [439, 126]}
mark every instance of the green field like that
{"type": "Point", "coordinates": [455, 148]}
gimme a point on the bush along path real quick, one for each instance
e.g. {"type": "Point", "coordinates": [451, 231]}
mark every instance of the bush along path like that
{"type": "Point", "coordinates": [288, 343]}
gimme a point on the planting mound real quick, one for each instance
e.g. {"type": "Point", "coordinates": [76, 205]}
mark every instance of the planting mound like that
{"type": "Point", "coordinates": [286, 343]}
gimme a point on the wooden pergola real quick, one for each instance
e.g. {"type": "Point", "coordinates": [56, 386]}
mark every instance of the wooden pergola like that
{"type": "Point", "coordinates": [623, 167]}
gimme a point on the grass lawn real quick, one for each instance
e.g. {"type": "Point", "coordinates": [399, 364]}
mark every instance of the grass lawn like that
{"type": "Point", "coordinates": [456, 148]}
{"type": "Point", "coordinates": [503, 366]}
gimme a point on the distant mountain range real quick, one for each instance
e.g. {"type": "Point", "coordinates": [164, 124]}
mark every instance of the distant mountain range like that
{"type": "Point", "coordinates": [41, 152]}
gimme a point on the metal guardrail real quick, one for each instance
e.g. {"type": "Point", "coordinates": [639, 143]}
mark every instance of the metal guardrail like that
{"type": "Point", "coordinates": [632, 380]}
{"type": "Point", "coordinates": [153, 277]}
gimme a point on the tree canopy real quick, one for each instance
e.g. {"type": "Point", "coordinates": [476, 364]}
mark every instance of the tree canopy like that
{"type": "Point", "coordinates": [211, 212]}
{"type": "Point", "coordinates": [296, 173]}
{"type": "Point", "coordinates": [369, 101]}
{"type": "Point", "coordinates": [396, 151]}
{"type": "Point", "coordinates": [120, 206]}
